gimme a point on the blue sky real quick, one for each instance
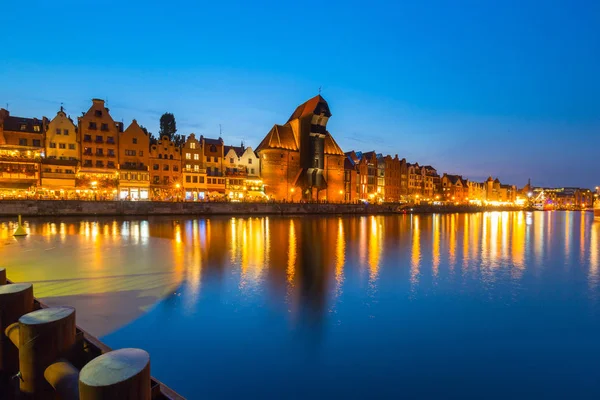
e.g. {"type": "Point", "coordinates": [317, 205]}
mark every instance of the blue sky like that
{"type": "Point", "coordinates": [503, 88]}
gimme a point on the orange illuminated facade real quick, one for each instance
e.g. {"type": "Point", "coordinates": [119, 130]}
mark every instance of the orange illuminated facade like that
{"type": "Point", "coordinates": [134, 157]}
{"type": "Point", "coordinates": [21, 151]}
{"type": "Point", "coordinates": [300, 159]}
{"type": "Point", "coordinates": [165, 170]}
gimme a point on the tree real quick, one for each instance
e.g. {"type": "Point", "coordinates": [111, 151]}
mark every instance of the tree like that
{"type": "Point", "coordinates": [168, 127]}
{"type": "Point", "coordinates": [153, 138]}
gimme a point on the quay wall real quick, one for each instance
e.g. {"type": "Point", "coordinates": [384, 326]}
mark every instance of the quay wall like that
{"type": "Point", "coordinates": [48, 208]}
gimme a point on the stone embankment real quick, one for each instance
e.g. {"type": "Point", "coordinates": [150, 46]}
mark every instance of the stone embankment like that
{"type": "Point", "coordinates": [48, 208]}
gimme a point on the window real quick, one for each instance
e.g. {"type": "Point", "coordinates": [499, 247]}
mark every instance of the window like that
{"type": "Point", "coordinates": [86, 150]}
{"type": "Point", "coordinates": [160, 156]}
{"type": "Point", "coordinates": [166, 180]}
{"type": "Point", "coordinates": [213, 148]}
{"type": "Point", "coordinates": [23, 127]}
{"type": "Point", "coordinates": [188, 167]}
{"type": "Point", "coordinates": [87, 138]}
{"type": "Point", "coordinates": [65, 132]}
{"type": "Point", "coordinates": [141, 153]}
{"type": "Point", "coordinates": [281, 155]}
{"type": "Point", "coordinates": [99, 152]}
{"type": "Point", "coordinates": [316, 163]}
{"type": "Point", "coordinates": [155, 167]}
{"type": "Point", "coordinates": [52, 145]}
{"type": "Point", "coordinates": [130, 152]}
{"type": "Point", "coordinates": [92, 126]}
{"type": "Point", "coordinates": [171, 156]}
{"type": "Point", "coordinates": [192, 145]}
{"type": "Point", "coordinates": [196, 168]}
{"type": "Point", "coordinates": [175, 168]}
{"type": "Point", "coordinates": [252, 171]}
{"type": "Point", "coordinates": [37, 143]}
{"type": "Point", "coordinates": [166, 167]}
{"type": "Point", "coordinates": [250, 161]}
{"type": "Point", "coordinates": [111, 153]}
{"type": "Point", "coordinates": [22, 142]}
{"type": "Point", "coordinates": [71, 146]}
{"type": "Point", "coordinates": [156, 180]}
{"type": "Point", "coordinates": [98, 113]}
{"type": "Point", "coordinates": [201, 179]}
{"type": "Point", "coordinates": [188, 179]}
{"type": "Point", "coordinates": [111, 164]}
{"type": "Point", "coordinates": [134, 140]}
{"type": "Point", "coordinates": [99, 164]}
{"type": "Point", "coordinates": [36, 128]}
{"type": "Point", "coordinates": [195, 179]}
{"type": "Point", "coordinates": [110, 140]}
{"type": "Point", "coordinates": [196, 156]}
{"type": "Point", "coordinates": [209, 181]}
{"type": "Point", "coordinates": [69, 171]}
{"type": "Point", "coordinates": [231, 160]}
{"type": "Point", "coordinates": [87, 163]}
{"type": "Point", "coordinates": [99, 139]}
{"type": "Point", "coordinates": [188, 156]}
{"type": "Point", "coordinates": [58, 131]}
{"type": "Point", "coordinates": [62, 145]}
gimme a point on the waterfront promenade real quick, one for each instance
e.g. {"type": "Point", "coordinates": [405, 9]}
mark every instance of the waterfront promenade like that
{"type": "Point", "coordinates": [47, 208]}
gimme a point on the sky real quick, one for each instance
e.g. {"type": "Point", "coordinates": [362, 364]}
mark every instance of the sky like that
{"type": "Point", "coordinates": [502, 88]}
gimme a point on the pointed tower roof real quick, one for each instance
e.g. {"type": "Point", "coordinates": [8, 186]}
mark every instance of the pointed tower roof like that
{"type": "Point", "coordinates": [317, 105]}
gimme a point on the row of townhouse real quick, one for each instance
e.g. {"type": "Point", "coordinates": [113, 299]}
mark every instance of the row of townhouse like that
{"type": "Point", "coordinates": [98, 158]}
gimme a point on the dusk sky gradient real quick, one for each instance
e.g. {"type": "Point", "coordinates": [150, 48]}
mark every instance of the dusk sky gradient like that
{"type": "Point", "coordinates": [503, 88]}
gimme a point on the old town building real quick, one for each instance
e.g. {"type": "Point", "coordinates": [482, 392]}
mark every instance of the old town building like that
{"type": "Point", "coordinates": [242, 173]}
{"type": "Point", "coordinates": [300, 159]}
{"type": "Point", "coordinates": [21, 151]}
{"type": "Point", "coordinates": [351, 186]}
{"type": "Point", "coordinates": [134, 157]}
{"type": "Point", "coordinates": [214, 151]}
{"type": "Point", "coordinates": [59, 168]}
{"type": "Point", "coordinates": [454, 188]}
{"type": "Point", "coordinates": [367, 175]}
{"type": "Point", "coordinates": [393, 172]}
{"type": "Point", "coordinates": [165, 170]}
{"type": "Point", "coordinates": [99, 135]}
{"type": "Point", "coordinates": [194, 171]}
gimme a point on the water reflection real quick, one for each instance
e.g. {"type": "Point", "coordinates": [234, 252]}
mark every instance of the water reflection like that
{"type": "Point", "coordinates": [311, 272]}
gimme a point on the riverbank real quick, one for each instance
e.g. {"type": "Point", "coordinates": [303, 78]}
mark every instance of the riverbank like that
{"type": "Point", "coordinates": [47, 208]}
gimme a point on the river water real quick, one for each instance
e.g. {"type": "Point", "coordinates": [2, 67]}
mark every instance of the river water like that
{"type": "Point", "coordinates": [489, 305]}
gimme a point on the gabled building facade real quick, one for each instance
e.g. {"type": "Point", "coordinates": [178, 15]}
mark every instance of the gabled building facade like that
{"type": "Point", "coordinates": [99, 144]}
{"type": "Point", "coordinates": [193, 169]}
{"type": "Point", "coordinates": [134, 157]}
{"type": "Point", "coordinates": [60, 166]}
{"type": "Point", "coordinates": [165, 170]}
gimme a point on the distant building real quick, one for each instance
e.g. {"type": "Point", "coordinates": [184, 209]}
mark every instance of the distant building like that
{"type": "Point", "coordinates": [21, 151]}
{"type": "Point", "coordinates": [300, 159]}
{"type": "Point", "coordinates": [454, 188]}
{"type": "Point", "coordinates": [394, 169]}
{"type": "Point", "coordinates": [134, 157]}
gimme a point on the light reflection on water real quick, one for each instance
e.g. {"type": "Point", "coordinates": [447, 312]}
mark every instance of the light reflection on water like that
{"type": "Point", "coordinates": [341, 306]}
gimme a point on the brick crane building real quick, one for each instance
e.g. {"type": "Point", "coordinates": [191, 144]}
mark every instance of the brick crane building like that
{"type": "Point", "coordinates": [300, 159]}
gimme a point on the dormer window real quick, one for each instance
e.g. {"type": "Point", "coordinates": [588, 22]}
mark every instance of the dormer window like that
{"type": "Point", "coordinates": [23, 127]}
{"type": "Point", "coordinates": [36, 128]}
{"type": "Point", "coordinates": [98, 113]}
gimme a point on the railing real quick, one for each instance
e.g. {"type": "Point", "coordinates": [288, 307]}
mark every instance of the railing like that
{"type": "Point", "coordinates": [19, 174]}
{"type": "Point", "coordinates": [58, 175]}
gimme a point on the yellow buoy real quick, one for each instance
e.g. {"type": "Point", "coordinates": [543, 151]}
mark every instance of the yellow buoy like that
{"type": "Point", "coordinates": [20, 231]}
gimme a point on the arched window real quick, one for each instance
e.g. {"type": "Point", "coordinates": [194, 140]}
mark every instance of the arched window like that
{"type": "Point", "coordinates": [160, 156]}
{"type": "Point", "coordinates": [171, 156]}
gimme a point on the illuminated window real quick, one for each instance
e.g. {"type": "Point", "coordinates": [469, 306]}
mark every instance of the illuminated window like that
{"type": "Point", "coordinates": [188, 156]}
{"type": "Point", "coordinates": [196, 168]}
{"type": "Point", "coordinates": [196, 156]}
{"type": "Point", "coordinates": [192, 145]}
{"type": "Point", "coordinates": [36, 128]}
